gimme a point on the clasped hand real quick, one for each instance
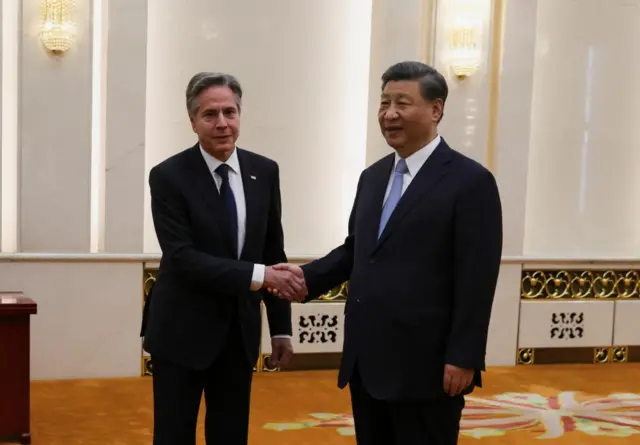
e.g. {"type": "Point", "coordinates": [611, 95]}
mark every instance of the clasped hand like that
{"type": "Point", "coordinates": [286, 281]}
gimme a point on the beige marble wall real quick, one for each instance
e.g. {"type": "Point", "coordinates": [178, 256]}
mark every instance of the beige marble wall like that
{"type": "Point", "coordinates": [55, 138]}
{"type": "Point", "coordinates": [583, 184]}
{"type": "Point", "coordinates": [3, 21]}
{"type": "Point", "coordinates": [512, 120]}
{"type": "Point", "coordinates": [126, 80]}
{"type": "Point", "coordinates": [465, 123]}
{"type": "Point", "coordinates": [88, 317]}
{"type": "Point", "coordinates": [304, 70]}
{"type": "Point", "coordinates": [397, 34]}
{"type": "Point", "coordinates": [9, 82]}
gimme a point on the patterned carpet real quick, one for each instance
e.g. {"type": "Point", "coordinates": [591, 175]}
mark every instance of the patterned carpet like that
{"type": "Point", "coordinates": [500, 415]}
{"type": "Point", "coordinates": [592, 404]}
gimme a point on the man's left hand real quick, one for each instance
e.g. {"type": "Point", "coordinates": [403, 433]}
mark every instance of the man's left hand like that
{"type": "Point", "coordinates": [456, 379]}
{"type": "Point", "coordinates": [281, 352]}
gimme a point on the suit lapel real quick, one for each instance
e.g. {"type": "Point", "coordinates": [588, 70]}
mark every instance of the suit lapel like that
{"type": "Point", "coordinates": [251, 196]}
{"type": "Point", "coordinates": [428, 176]}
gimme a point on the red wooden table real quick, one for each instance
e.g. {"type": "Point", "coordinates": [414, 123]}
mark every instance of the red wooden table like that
{"type": "Point", "coordinates": [15, 372]}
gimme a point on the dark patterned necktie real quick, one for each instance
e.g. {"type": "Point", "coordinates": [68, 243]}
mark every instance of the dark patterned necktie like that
{"type": "Point", "coordinates": [231, 211]}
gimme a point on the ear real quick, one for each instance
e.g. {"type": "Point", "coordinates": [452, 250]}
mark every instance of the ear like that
{"type": "Point", "coordinates": [193, 123]}
{"type": "Point", "coordinates": [438, 108]}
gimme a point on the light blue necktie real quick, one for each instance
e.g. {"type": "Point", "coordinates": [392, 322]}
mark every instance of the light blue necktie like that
{"type": "Point", "coordinates": [394, 194]}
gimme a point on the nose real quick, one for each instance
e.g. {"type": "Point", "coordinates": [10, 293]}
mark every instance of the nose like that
{"type": "Point", "coordinates": [221, 122]}
{"type": "Point", "coordinates": [390, 114]}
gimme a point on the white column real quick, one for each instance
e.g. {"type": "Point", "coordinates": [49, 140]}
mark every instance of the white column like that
{"type": "Point", "coordinates": [55, 138]}
{"type": "Point", "coordinates": [9, 44]}
{"type": "Point", "coordinates": [511, 158]}
{"type": "Point", "coordinates": [125, 126]}
{"type": "Point", "coordinates": [514, 118]}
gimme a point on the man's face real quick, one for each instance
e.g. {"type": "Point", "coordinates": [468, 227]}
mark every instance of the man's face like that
{"type": "Point", "coordinates": [217, 121]}
{"type": "Point", "coordinates": [406, 119]}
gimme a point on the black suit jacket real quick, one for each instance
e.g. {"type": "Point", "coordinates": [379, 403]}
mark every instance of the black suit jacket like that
{"type": "Point", "coordinates": [201, 286]}
{"type": "Point", "coordinates": [419, 297]}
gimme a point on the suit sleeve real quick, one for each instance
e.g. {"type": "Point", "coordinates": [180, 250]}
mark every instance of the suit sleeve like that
{"type": "Point", "coordinates": [335, 268]}
{"type": "Point", "coordinates": [477, 254]}
{"type": "Point", "coordinates": [171, 222]}
{"type": "Point", "coordinates": [278, 309]}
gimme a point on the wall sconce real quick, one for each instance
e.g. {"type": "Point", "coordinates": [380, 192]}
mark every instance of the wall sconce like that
{"type": "Point", "coordinates": [58, 29]}
{"type": "Point", "coordinates": [466, 51]}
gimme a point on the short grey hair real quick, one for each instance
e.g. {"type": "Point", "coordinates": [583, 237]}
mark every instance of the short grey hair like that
{"type": "Point", "coordinates": [433, 85]}
{"type": "Point", "coordinates": [205, 80]}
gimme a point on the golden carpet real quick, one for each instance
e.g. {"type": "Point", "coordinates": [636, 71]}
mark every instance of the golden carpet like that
{"type": "Point", "coordinates": [576, 405]}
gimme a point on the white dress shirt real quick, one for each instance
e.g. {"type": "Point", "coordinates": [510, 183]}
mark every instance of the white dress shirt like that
{"type": "Point", "coordinates": [414, 164]}
{"type": "Point", "coordinates": [235, 182]}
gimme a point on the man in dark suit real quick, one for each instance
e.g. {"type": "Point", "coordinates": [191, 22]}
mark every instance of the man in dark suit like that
{"type": "Point", "coordinates": [217, 215]}
{"type": "Point", "coordinates": [422, 259]}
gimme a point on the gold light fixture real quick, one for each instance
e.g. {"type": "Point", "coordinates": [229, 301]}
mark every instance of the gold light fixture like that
{"type": "Point", "coordinates": [466, 51]}
{"type": "Point", "coordinates": [58, 29]}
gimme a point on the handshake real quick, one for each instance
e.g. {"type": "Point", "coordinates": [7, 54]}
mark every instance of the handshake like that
{"type": "Point", "coordinates": [286, 281]}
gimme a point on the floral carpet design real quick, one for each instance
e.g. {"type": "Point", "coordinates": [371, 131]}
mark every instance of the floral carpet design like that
{"type": "Point", "coordinates": [617, 415]}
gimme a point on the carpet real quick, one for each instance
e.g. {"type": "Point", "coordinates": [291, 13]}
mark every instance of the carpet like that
{"type": "Point", "coordinates": [572, 405]}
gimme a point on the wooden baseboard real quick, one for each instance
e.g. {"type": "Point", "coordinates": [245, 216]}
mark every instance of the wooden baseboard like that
{"type": "Point", "coordinates": [586, 355]}
{"type": "Point", "coordinates": [307, 362]}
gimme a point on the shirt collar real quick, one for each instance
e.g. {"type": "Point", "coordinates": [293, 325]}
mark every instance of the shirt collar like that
{"type": "Point", "coordinates": [417, 159]}
{"type": "Point", "coordinates": [214, 163]}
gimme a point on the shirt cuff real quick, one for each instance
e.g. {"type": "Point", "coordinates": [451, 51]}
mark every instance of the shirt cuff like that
{"type": "Point", "coordinates": [257, 279]}
{"type": "Point", "coordinates": [280, 336]}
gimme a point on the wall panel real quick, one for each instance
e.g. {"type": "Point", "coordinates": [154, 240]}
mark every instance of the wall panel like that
{"type": "Point", "coordinates": [55, 138]}
{"type": "Point", "coordinates": [304, 68]}
{"type": "Point", "coordinates": [125, 126]}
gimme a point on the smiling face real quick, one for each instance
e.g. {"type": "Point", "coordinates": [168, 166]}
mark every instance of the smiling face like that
{"type": "Point", "coordinates": [217, 121]}
{"type": "Point", "coordinates": [408, 121]}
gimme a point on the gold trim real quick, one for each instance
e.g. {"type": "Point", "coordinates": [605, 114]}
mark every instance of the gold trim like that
{"type": "Point", "coordinates": [338, 293]}
{"type": "Point", "coordinates": [525, 356]}
{"type": "Point", "coordinates": [145, 372]}
{"type": "Point", "coordinates": [497, 37]}
{"type": "Point", "coordinates": [601, 285]}
{"type": "Point", "coordinates": [265, 364]}
{"type": "Point", "coordinates": [601, 356]}
{"type": "Point", "coordinates": [575, 299]}
{"type": "Point", "coordinates": [619, 354]}
{"type": "Point", "coordinates": [259, 364]}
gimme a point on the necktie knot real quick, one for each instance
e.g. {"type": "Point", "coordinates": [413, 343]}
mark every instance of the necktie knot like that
{"type": "Point", "coordinates": [223, 171]}
{"type": "Point", "coordinates": [401, 167]}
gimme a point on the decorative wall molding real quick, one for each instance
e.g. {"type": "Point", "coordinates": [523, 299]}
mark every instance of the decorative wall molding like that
{"type": "Point", "coordinates": [580, 284]}
{"type": "Point", "coordinates": [588, 310]}
{"type": "Point", "coordinates": [586, 355]}
{"type": "Point", "coordinates": [317, 326]}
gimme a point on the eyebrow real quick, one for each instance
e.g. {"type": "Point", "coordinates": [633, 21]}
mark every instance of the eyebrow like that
{"type": "Point", "coordinates": [228, 107]}
{"type": "Point", "coordinates": [399, 95]}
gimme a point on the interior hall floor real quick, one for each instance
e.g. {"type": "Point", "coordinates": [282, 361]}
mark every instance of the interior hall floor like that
{"type": "Point", "coordinates": [572, 404]}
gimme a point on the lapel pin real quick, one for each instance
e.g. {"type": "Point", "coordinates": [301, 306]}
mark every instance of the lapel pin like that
{"type": "Point", "coordinates": [253, 177]}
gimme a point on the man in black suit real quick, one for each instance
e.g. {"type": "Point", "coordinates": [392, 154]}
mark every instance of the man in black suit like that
{"type": "Point", "coordinates": [422, 259]}
{"type": "Point", "coordinates": [217, 215]}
